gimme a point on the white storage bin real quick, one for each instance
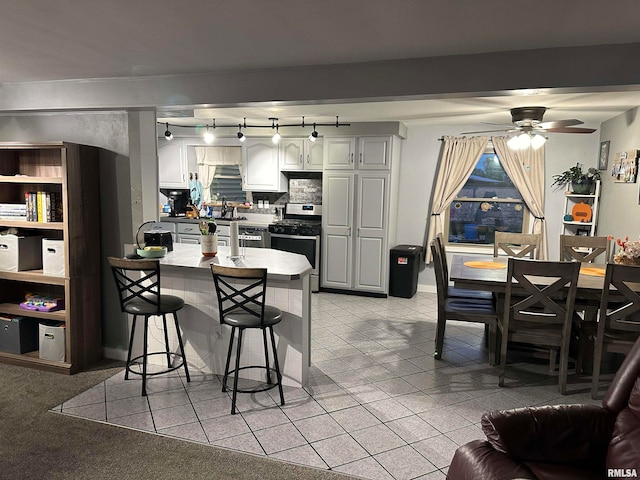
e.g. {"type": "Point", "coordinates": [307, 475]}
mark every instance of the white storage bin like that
{"type": "Point", "coordinates": [20, 253]}
{"type": "Point", "coordinates": [53, 257]}
{"type": "Point", "coordinates": [52, 341]}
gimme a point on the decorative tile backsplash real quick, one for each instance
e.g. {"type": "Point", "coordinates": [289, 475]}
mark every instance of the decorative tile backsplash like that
{"type": "Point", "coordinates": [305, 190]}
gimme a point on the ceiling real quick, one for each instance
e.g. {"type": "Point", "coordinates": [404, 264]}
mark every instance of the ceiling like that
{"type": "Point", "coordinates": [75, 39]}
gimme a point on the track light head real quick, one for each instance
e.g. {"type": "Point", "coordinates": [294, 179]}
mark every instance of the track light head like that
{"type": "Point", "coordinates": [208, 136]}
{"type": "Point", "coordinates": [276, 136]}
{"type": "Point", "coordinates": [241, 137]}
{"type": "Point", "coordinates": [313, 137]}
{"type": "Point", "coordinates": [167, 134]}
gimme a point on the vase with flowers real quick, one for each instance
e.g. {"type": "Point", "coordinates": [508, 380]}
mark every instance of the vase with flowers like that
{"type": "Point", "coordinates": [628, 253]}
{"type": "Point", "coordinates": [581, 181]}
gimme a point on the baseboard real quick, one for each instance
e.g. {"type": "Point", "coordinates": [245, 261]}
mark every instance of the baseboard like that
{"type": "Point", "coordinates": [427, 288]}
{"type": "Point", "coordinates": [114, 353]}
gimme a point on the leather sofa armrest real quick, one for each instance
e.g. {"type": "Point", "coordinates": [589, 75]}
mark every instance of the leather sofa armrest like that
{"type": "Point", "coordinates": [567, 434]}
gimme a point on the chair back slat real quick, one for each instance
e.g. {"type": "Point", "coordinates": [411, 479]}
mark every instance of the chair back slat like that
{"type": "Point", "coordinates": [549, 291]}
{"type": "Point", "coordinates": [620, 306]}
{"type": "Point", "coordinates": [438, 270]}
{"type": "Point", "coordinates": [517, 245]}
{"type": "Point", "coordinates": [240, 289]}
{"type": "Point", "coordinates": [136, 280]}
{"type": "Point", "coordinates": [583, 248]}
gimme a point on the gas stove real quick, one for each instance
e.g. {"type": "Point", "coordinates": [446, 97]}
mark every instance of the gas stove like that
{"type": "Point", "coordinates": [299, 219]}
{"type": "Point", "coordinates": [296, 227]}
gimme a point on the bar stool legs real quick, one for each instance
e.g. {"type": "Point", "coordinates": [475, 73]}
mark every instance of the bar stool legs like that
{"type": "Point", "coordinates": [276, 366]}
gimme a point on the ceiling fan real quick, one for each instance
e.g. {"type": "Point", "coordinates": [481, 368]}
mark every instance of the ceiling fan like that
{"type": "Point", "coordinates": [527, 121]}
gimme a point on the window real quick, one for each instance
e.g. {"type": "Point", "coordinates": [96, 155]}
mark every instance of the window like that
{"type": "Point", "coordinates": [227, 183]}
{"type": "Point", "coordinates": [489, 201]}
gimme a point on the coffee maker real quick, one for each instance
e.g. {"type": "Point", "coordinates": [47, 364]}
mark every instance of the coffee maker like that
{"type": "Point", "coordinates": [178, 200]}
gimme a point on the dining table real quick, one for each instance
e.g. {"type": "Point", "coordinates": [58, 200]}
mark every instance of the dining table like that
{"type": "Point", "coordinates": [481, 272]}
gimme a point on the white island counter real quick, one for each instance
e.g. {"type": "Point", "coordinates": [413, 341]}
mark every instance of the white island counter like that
{"type": "Point", "coordinates": [187, 274]}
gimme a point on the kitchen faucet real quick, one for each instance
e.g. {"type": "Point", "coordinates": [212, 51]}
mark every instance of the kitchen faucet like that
{"type": "Point", "coordinates": [223, 211]}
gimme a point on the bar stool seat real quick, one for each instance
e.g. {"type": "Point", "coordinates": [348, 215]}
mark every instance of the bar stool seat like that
{"type": "Point", "coordinates": [138, 283]}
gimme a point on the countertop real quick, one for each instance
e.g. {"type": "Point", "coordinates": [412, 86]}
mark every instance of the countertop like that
{"type": "Point", "coordinates": [253, 220]}
{"type": "Point", "coordinates": [280, 265]}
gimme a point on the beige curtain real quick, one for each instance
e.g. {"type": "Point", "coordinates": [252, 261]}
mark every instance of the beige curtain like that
{"type": "Point", "coordinates": [209, 157]}
{"type": "Point", "coordinates": [459, 157]}
{"type": "Point", "coordinates": [526, 170]}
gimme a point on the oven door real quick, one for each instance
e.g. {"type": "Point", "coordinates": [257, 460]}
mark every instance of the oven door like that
{"type": "Point", "coordinates": [307, 246]}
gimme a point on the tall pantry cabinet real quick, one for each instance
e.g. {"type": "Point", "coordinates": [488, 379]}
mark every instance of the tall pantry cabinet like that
{"type": "Point", "coordinates": [70, 171]}
{"type": "Point", "coordinates": [359, 212]}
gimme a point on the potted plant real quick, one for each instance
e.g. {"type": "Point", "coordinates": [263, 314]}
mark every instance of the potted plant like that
{"type": "Point", "coordinates": [581, 182]}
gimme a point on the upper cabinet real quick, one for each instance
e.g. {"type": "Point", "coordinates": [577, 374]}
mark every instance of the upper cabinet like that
{"type": "Point", "coordinates": [173, 170]}
{"type": "Point", "coordinates": [298, 154]}
{"type": "Point", "coordinates": [261, 169]}
{"type": "Point", "coordinates": [357, 153]}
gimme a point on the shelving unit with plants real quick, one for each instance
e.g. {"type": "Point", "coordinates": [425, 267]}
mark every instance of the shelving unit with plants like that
{"type": "Point", "coordinates": [581, 211]}
{"type": "Point", "coordinates": [581, 199]}
{"type": "Point", "coordinates": [70, 171]}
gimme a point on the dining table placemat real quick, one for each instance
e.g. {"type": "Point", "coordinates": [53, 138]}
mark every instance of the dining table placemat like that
{"type": "Point", "coordinates": [485, 264]}
{"type": "Point", "coordinates": [592, 271]}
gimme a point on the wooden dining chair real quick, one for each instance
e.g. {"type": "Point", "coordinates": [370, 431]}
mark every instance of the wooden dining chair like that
{"type": "Point", "coordinates": [517, 245]}
{"type": "Point", "coordinates": [619, 316]}
{"type": "Point", "coordinates": [451, 290]}
{"type": "Point", "coordinates": [585, 249]}
{"type": "Point", "coordinates": [475, 310]}
{"type": "Point", "coordinates": [538, 311]}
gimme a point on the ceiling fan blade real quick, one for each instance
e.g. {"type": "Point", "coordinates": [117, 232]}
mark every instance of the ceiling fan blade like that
{"type": "Point", "coordinates": [486, 131]}
{"type": "Point", "coordinates": [560, 123]}
{"type": "Point", "coordinates": [570, 130]}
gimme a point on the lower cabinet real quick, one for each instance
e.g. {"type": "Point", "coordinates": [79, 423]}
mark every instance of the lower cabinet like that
{"type": "Point", "coordinates": [355, 250]}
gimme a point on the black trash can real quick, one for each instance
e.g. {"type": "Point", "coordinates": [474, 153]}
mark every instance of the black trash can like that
{"type": "Point", "coordinates": [403, 271]}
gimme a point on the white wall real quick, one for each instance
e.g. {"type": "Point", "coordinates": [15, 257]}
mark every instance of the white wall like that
{"type": "Point", "coordinates": [620, 202]}
{"type": "Point", "coordinates": [419, 161]}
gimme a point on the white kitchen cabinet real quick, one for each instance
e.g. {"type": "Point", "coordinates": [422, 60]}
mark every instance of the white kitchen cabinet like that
{"type": "Point", "coordinates": [301, 154]}
{"type": "Point", "coordinates": [358, 217]}
{"type": "Point", "coordinates": [357, 153]}
{"type": "Point", "coordinates": [337, 229]}
{"type": "Point", "coordinates": [173, 171]}
{"type": "Point", "coordinates": [261, 169]}
{"type": "Point", "coordinates": [355, 225]}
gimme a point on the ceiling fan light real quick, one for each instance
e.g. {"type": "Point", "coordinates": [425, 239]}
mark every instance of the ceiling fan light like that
{"type": "Point", "coordinates": [538, 141]}
{"type": "Point", "coordinates": [514, 143]}
{"type": "Point", "coordinates": [524, 140]}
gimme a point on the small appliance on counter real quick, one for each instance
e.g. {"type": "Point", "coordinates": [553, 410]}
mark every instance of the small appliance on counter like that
{"type": "Point", "coordinates": [178, 200]}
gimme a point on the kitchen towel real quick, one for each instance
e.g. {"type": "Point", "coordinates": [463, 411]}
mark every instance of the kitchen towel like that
{"type": "Point", "coordinates": [234, 240]}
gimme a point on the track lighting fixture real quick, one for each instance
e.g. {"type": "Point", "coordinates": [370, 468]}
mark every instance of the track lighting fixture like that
{"type": "Point", "coordinates": [314, 135]}
{"type": "Point", "coordinates": [241, 136]}
{"type": "Point", "coordinates": [209, 136]}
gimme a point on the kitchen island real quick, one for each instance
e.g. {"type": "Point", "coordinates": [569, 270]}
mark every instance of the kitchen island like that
{"type": "Point", "coordinates": [187, 274]}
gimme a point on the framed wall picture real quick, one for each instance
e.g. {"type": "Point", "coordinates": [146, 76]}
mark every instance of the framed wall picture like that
{"type": "Point", "coordinates": [625, 167]}
{"type": "Point", "coordinates": [603, 159]}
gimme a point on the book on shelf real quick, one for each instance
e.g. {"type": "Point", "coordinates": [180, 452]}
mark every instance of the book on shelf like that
{"type": "Point", "coordinates": [43, 206]}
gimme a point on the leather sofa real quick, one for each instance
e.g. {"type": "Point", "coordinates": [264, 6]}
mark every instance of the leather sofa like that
{"type": "Point", "coordinates": [561, 442]}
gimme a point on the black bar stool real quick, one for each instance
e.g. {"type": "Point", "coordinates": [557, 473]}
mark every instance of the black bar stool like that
{"type": "Point", "coordinates": [138, 283]}
{"type": "Point", "coordinates": [241, 304]}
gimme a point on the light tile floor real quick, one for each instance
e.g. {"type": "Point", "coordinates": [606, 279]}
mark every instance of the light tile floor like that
{"type": "Point", "coordinates": [377, 406]}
